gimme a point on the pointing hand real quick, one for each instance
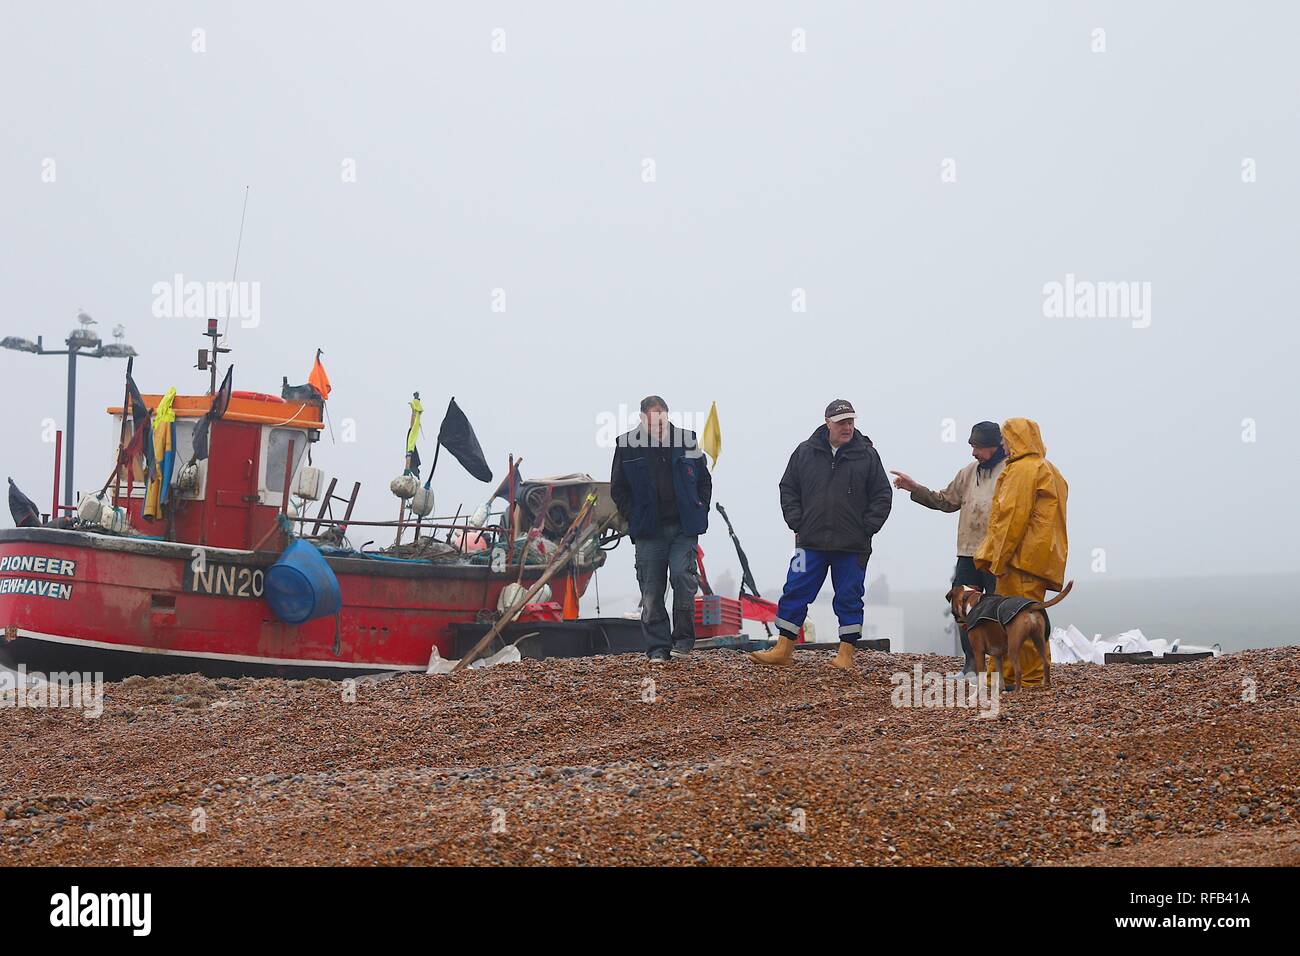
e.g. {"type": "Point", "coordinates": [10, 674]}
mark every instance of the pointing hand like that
{"type": "Point", "coordinates": [904, 482]}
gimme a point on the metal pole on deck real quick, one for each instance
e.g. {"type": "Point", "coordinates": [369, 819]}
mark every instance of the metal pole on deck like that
{"type": "Point", "coordinates": [58, 457]}
{"type": "Point", "coordinates": [72, 423]}
{"type": "Point", "coordinates": [121, 433]}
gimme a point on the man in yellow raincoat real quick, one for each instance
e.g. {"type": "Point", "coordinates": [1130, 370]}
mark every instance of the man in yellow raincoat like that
{"type": "Point", "coordinates": [1025, 546]}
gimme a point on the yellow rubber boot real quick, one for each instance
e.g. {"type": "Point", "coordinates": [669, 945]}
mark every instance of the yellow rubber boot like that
{"type": "Point", "coordinates": [844, 659]}
{"type": "Point", "coordinates": [779, 655]}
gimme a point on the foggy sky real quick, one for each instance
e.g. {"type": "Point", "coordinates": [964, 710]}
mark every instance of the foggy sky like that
{"type": "Point", "coordinates": [775, 170]}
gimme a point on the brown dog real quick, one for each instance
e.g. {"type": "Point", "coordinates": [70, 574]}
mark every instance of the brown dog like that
{"type": "Point", "coordinates": [1002, 625]}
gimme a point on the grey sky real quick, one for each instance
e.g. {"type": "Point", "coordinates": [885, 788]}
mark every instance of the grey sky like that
{"type": "Point", "coordinates": [775, 170]}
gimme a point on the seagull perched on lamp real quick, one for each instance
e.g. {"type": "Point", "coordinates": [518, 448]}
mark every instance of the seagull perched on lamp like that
{"type": "Point", "coordinates": [84, 336]}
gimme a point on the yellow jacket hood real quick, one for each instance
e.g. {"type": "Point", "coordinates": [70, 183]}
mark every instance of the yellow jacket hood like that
{"type": "Point", "coordinates": [1021, 437]}
{"type": "Point", "coordinates": [1027, 519]}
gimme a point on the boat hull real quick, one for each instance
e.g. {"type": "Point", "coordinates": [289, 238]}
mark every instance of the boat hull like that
{"type": "Point", "coordinates": [142, 606]}
{"type": "Point", "coordinates": [47, 654]}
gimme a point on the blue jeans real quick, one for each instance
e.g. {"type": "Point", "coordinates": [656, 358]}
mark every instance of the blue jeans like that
{"type": "Point", "coordinates": [966, 573]}
{"type": "Point", "coordinates": [668, 556]}
{"type": "Point", "coordinates": [803, 582]}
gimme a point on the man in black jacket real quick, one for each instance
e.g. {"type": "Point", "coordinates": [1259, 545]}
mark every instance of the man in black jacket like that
{"type": "Point", "coordinates": [835, 496]}
{"type": "Point", "coordinates": [661, 486]}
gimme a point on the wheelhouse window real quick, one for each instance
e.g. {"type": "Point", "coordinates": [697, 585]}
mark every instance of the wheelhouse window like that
{"type": "Point", "coordinates": [277, 450]}
{"type": "Point", "coordinates": [184, 440]}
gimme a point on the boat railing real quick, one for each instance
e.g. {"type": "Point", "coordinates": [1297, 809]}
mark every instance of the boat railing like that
{"type": "Point", "coordinates": [491, 529]}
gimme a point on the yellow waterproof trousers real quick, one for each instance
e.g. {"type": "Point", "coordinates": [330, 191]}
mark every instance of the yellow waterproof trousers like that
{"type": "Point", "coordinates": [1018, 584]}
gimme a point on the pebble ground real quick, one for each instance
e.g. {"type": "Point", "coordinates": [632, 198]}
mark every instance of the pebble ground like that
{"type": "Point", "coordinates": [719, 762]}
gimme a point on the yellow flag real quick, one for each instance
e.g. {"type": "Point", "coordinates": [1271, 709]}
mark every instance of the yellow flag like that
{"type": "Point", "coordinates": [164, 413]}
{"type": "Point", "coordinates": [413, 433]}
{"type": "Point", "coordinates": [711, 440]}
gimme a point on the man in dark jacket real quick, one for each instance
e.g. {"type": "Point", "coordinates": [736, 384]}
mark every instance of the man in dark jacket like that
{"type": "Point", "coordinates": [835, 496]}
{"type": "Point", "coordinates": [661, 486]}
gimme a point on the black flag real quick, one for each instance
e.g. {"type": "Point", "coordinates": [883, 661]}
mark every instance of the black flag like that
{"type": "Point", "coordinates": [141, 442]}
{"type": "Point", "coordinates": [746, 575]}
{"type": "Point", "coordinates": [23, 509]}
{"type": "Point", "coordinates": [220, 402]}
{"type": "Point", "coordinates": [457, 436]}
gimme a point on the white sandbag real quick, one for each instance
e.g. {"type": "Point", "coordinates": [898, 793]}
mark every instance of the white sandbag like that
{"type": "Point", "coordinates": [439, 664]}
{"type": "Point", "coordinates": [89, 509]}
{"type": "Point", "coordinates": [97, 511]}
{"type": "Point", "coordinates": [1129, 642]}
{"type": "Point", "coordinates": [513, 592]}
{"type": "Point", "coordinates": [1071, 646]}
{"type": "Point", "coordinates": [1075, 647]}
{"type": "Point", "coordinates": [507, 655]}
{"type": "Point", "coordinates": [1178, 647]}
{"type": "Point", "coordinates": [1061, 648]}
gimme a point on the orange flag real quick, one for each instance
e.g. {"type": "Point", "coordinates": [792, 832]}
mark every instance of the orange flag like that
{"type": "Point", "coordinates": [318, 379]}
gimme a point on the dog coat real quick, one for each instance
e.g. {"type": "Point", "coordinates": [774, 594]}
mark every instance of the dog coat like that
{"type": "Point", "coordinates": [995, 608]}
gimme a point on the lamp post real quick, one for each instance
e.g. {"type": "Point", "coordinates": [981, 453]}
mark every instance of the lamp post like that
{"type": "Point", "coordinates": [84, 343]}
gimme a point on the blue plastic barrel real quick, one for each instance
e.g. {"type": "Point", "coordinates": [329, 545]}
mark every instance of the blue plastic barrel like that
{"type": "Point", "coordinates": [301, 586]}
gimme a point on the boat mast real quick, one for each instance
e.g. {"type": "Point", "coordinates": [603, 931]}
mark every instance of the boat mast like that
{"type": "Point", "coordinates": [208, 360]}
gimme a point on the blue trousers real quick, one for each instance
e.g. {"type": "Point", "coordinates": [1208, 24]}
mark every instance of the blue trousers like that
{"type": "Point", "coordinates": [668, 556]}
{"type": "Point", "coordinates": [804, 581]}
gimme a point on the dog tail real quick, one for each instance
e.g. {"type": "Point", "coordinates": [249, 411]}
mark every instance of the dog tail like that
{"type": "Point", "coordinates": [1043, 605]}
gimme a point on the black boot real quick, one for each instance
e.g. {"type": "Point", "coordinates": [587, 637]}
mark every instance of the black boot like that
{"type": "Point", "coordinates": [969, 666]}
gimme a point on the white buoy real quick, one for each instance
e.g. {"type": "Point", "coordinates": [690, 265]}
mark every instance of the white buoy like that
{"type": "Point", "coordinates": [421, 502]}
{"type": "Point", "coordinates": [404, 486]}
{"type": "Point", "coordinates": [306, 484]}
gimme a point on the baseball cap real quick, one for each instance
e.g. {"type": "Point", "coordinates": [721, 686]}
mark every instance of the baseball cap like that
{"type": "Point", "coordinates": [839, 410]}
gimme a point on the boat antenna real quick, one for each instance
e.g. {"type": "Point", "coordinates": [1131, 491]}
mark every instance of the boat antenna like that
{"type": "Point", "coordinates": [233, 272]}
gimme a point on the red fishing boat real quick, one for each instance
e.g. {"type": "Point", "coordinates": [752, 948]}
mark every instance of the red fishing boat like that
{"type": "Point", "coordinates": [113, 591]}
